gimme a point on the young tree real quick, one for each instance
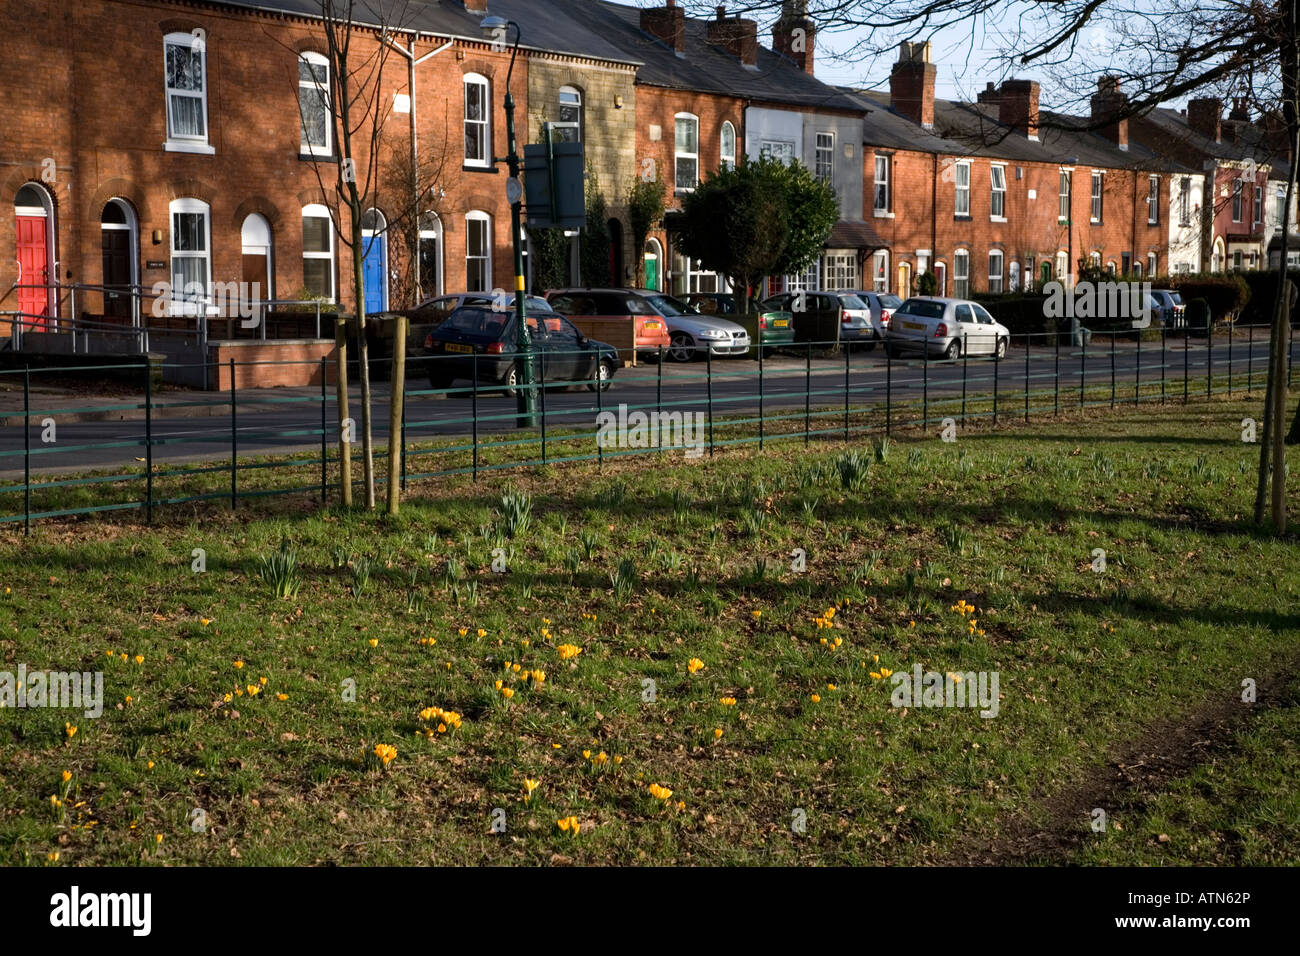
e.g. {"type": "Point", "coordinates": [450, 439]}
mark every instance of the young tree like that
{"type": "Point", "coordinates": [645, 208]}
{"type": "Point", "coordinates": [759, 218]}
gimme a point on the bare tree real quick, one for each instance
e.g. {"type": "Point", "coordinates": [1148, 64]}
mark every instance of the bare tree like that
{"type": "Point", "coordinates": [1160, 50]}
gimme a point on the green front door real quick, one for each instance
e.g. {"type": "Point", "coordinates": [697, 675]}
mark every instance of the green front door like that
{"type": "Point", "coordinates": [652, 272]}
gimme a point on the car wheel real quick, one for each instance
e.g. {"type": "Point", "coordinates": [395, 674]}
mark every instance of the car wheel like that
{"type": "Point", "coordinates": [604, 372]}
{"type": "Point", "coordinates": [682, 348]}
{"type": "Point", "coordinates": [953, 351]}
{"type": "Point", "coordinates": [510, 382]}
{"type": "Point", "coordinates": [439, 380]}
{"type": "Point", "coordinates": [869, 345]}
{"type": "Point", "coordinates": [1002, 348]}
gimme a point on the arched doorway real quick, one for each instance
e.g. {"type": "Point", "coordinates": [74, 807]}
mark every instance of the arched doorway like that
{"type": "Point", "coordinates": [654, 255]}
{"type": "Point", "coordinates": [374, 260]}
{"type": "Point", "coordinates": [615, 252]}
{"type": "Point", "coordinates": [34, 217]}
{"type": "Point", "coordinates": [120, 242]}
{"type": "Point", "coordinates": [941, 277]}
{"type": "Point", "coordinates": [430, 255]}
{"type": "Point", "coordinates": [258, 275]}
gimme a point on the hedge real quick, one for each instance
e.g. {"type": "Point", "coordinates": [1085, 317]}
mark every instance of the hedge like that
{"type": "Point", "coordinates": [1263, 296]}
{"type": "Point", "coordinates": [1226, 294]}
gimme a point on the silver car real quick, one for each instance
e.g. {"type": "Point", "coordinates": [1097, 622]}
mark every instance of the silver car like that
{"type": "Point", "coordinates": [945, 328]}
{"type": "Point", "coordinates": [694, 334]}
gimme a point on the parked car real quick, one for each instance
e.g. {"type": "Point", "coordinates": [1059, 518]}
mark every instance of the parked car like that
{"type": "Point", "coordinates": [1167, 309]}
{"type": "Point", "coordinates": [773, 328]}
{"type": "Point", "coordinates": [882, 305]}
{"type": "Point", "coordinates": [855, 316]}
{"type": "Point", "coordinates": [944, 327]}
{"type": "Point", "coordinates": [649, 332]}
{"type": "Point", "coordinates": [433, 311]}
{"type": "Point", "coordinates": [476, 336]}
{"type": "Point", "coordinates": [690, 334]}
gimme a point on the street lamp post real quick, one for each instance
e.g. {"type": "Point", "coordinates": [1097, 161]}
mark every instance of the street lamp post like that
{"type": "Point", "coordinates": [1072, 161]}
{"type": "Point", "coordinates": [495, 28]}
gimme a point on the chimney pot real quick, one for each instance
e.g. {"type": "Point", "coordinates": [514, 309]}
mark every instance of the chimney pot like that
{"type": "Point", "coordinates": [911, 83]}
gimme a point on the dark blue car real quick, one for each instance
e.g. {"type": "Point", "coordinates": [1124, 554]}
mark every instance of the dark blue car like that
{"type": "Point", "coordinates": [480, 338]}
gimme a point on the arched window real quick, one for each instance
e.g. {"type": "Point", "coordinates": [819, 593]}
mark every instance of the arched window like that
{"type": "Point", "coordinates": [571, 112]}
{"type": "Point", "coordinates": [728, 146]}
{"type": "Point", "coordinates": [185, 72]}
{"type": "Point", "coordinates": [478, 121]}
{"type": "Point", "coordinates": [478, 252]}
{"type": "Point", "coordinates": [318, 251]}
{"type": "Point", "coordinates": [314, 105]}
{"type": "Point", "coordinates": [430, 255]}
{"type": "Point", "coordinates": [191, 257]}
{"type": "Point", "coordinates": [686, 152]}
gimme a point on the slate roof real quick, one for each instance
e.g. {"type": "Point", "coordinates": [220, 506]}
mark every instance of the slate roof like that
{"type": "Point", "coordinates": [1253, 144]}
{"type": "Point", "coordinates": [612, 31]}
{"type": "Point", "coordinates": [972, 129]}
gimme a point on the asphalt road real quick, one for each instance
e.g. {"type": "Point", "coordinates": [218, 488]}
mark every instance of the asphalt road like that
{"type": "Point", "coordinates": [295, 426]}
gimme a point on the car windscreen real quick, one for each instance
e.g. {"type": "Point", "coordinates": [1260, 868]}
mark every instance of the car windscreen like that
{"type": "Point", "coordinates": [1177, 299]}
{"type": "Point", "coordinates": [478, 323]}
{"type": "Point", "coordinates": [852, 302]}
{"type": "Point", "coordinates": [923, 308]}
{"type": "Point", "coordinates": [889, 301]}
{"type": "Point", "coordinates": [667, 305]}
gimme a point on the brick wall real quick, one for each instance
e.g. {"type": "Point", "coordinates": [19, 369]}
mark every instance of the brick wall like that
{"type": "Point", "coordinates": [307, 352]}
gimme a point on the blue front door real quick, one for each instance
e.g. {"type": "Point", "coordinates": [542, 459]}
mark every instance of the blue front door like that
{"type": "Point", "coordinates": [374, 267]}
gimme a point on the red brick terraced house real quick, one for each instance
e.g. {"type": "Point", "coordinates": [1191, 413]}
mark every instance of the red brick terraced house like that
{"type": "Point", "coordinates": [1000, 195]}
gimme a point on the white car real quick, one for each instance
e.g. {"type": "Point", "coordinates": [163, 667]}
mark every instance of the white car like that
{"type": "Point", "coordinates": [946, 328]}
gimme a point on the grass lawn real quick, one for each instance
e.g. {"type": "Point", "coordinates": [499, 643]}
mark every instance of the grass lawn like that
{"type": "Point", "coordinates": [1120, 690]}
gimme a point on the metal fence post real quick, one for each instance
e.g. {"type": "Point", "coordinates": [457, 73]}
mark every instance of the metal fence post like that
{"type": "Point", "coordinates": [807, 393]}
{"type": "Point", "coordinates": [965, 363]}
{"type": "Point", "coordinates": [708, 367]}
{"type": "Point", "coordinates": [27, 449]}
{"type": "Point", "coordinates": [1187, 340]}
{"type": "Point", "coordinates": [324, 448]}
{"type": "Point", "coordinates": [1163, 363]}
{"type": "Point", "coordinates": [600, 408]}
{"type": "Point", "coordinates": [760, 397]}
{"type": "Point", "coordinates": [1230, 325]}
{"type": "Point", "coordinates": [659, 389]}
{"type": "Point", "coordinates": [1209, 360]}
{"type": "Point", "coordinates": [541, 394]}
{"type": "Point", "coordinates": [1250, 357]}
{"type": "Point", "coordinates": [234, 439]}
{"type": "Point", "coordinates": [846, 391]}
{"type": "Point", "coordinates": [889, 388]}
{"type": "Point", "coordinates": [925, 386]}
{"type": "Point", "coordinates": [1056, 387]}
{"type": "Point", "coordinates": [1113, 338]}
{"type": "Point", "coordinates": [1137, 371]}
{"type": "Point", "coordinates": [1028, 341]}
{"type": "Point", "coordinates": [997, 362]}
{"type": "Point", "coordinates": [403, 424]}
{"type": "Point", "coordinates": [148, 443]}
{"type": "Point", "coordinates": [474, 409]}
{"type": "Point", "coordinates": [1083, 361]}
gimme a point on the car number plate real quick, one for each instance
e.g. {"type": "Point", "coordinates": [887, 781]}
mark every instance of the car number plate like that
{"type": "Point", "coordinates": [780, 323]}
{"type": "Point", "coordinates": [914, 325]}
{"type": "Point", "coordinates": [457, 347]}
{"type": "Point", "coordinates": [651, 325]}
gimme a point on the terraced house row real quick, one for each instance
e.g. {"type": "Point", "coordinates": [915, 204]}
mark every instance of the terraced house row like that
{"type": "Point", "coordinates": [185, 141]}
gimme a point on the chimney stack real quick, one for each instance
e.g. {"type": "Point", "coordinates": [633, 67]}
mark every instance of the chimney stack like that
{"type": "Point", "coordinates": [1240, 110]}
{"type": "Point", "coordinates": [1018, 107]}
{"type": "Point", "coordinates": [476, 6]}
{"type": "Point", "coordinates": [911, 83]}
{"type": "Point", "coordinates": [1205, 116]}
{"type": "Point", "coordinates": [737, 35]}
{"type": "Point", "coordinates": [1107, 103]}
{"type": "Point", "coordinates": [989, 95]}
{"type": "Point", "coordinates": [793, 34]}
{"type": "Point", "coordinates": [666, 24]}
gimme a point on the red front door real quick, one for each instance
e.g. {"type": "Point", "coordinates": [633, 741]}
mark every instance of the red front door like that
{"type": "Point", "coordinates": [33, 260]}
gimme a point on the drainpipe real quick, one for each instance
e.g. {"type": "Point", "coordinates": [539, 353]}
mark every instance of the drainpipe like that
{"type": "Point", "coordinates": [934, 217]}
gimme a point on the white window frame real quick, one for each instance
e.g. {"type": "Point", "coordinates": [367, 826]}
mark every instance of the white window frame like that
{"type": "Point", "coordinates": [1238, 200]}
{"type": "Point", "coordinates": [319, 211]}
{"type": "Point", "coordinates": [998, 193]}
{"type": "Point", "coordinates": [779, 149]}
{"type": "Point", "coordinates": [430, 229]}
{"type": "Point", "coordinates": [315, 88]}
{"type": "Point", "coordinates": [824, 146]}
{"type": "Point", "coordinates": [1013, 275]}
{"type": "Point", "coordinates": [961, 190]}
{"type": "Point", "coordinates": [995, 274]}
{"type": "Point", "coordinates": [881, 185]}
{"type": "Point", "coordinates": [1153, 262]}
{"type": "Point", "coordinates": [680, 154]}
{"type": "Point", "coordinates": [961, 274]}
{"type": "Point", "coordinates": [1153, 200]}
{"type": "Point", "coordinates": [1098, 191]}
{"type": "Point", "coordinates": [1065, 194]}
{"type": "Point", "coordinates": [839, 271]}
{"type": "Point", "coordinates": [574, 102]}
{"type": "Point", "coordinates": [727, 154]}
{"type": "Point", "coordinates": [178, 303]}
{"type": "Point", "coordinates": [484, 125]}
{"type": "Point", "coordinates": [1185, 202]}
{"type": "Point", "coordinates": [179, 142]}
{"type": "Point", "coordinates": [477, 215]}
{"type": "Point", "coordinates": [1259, 205]}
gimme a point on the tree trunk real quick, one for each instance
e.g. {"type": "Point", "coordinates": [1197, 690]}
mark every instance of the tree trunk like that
{"type": "Point", "coordinates": [363, 355]}
{"type": "Point", "coordinates": [341, 384]}
{"type": "Point", "coordinates": [396, 400]}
